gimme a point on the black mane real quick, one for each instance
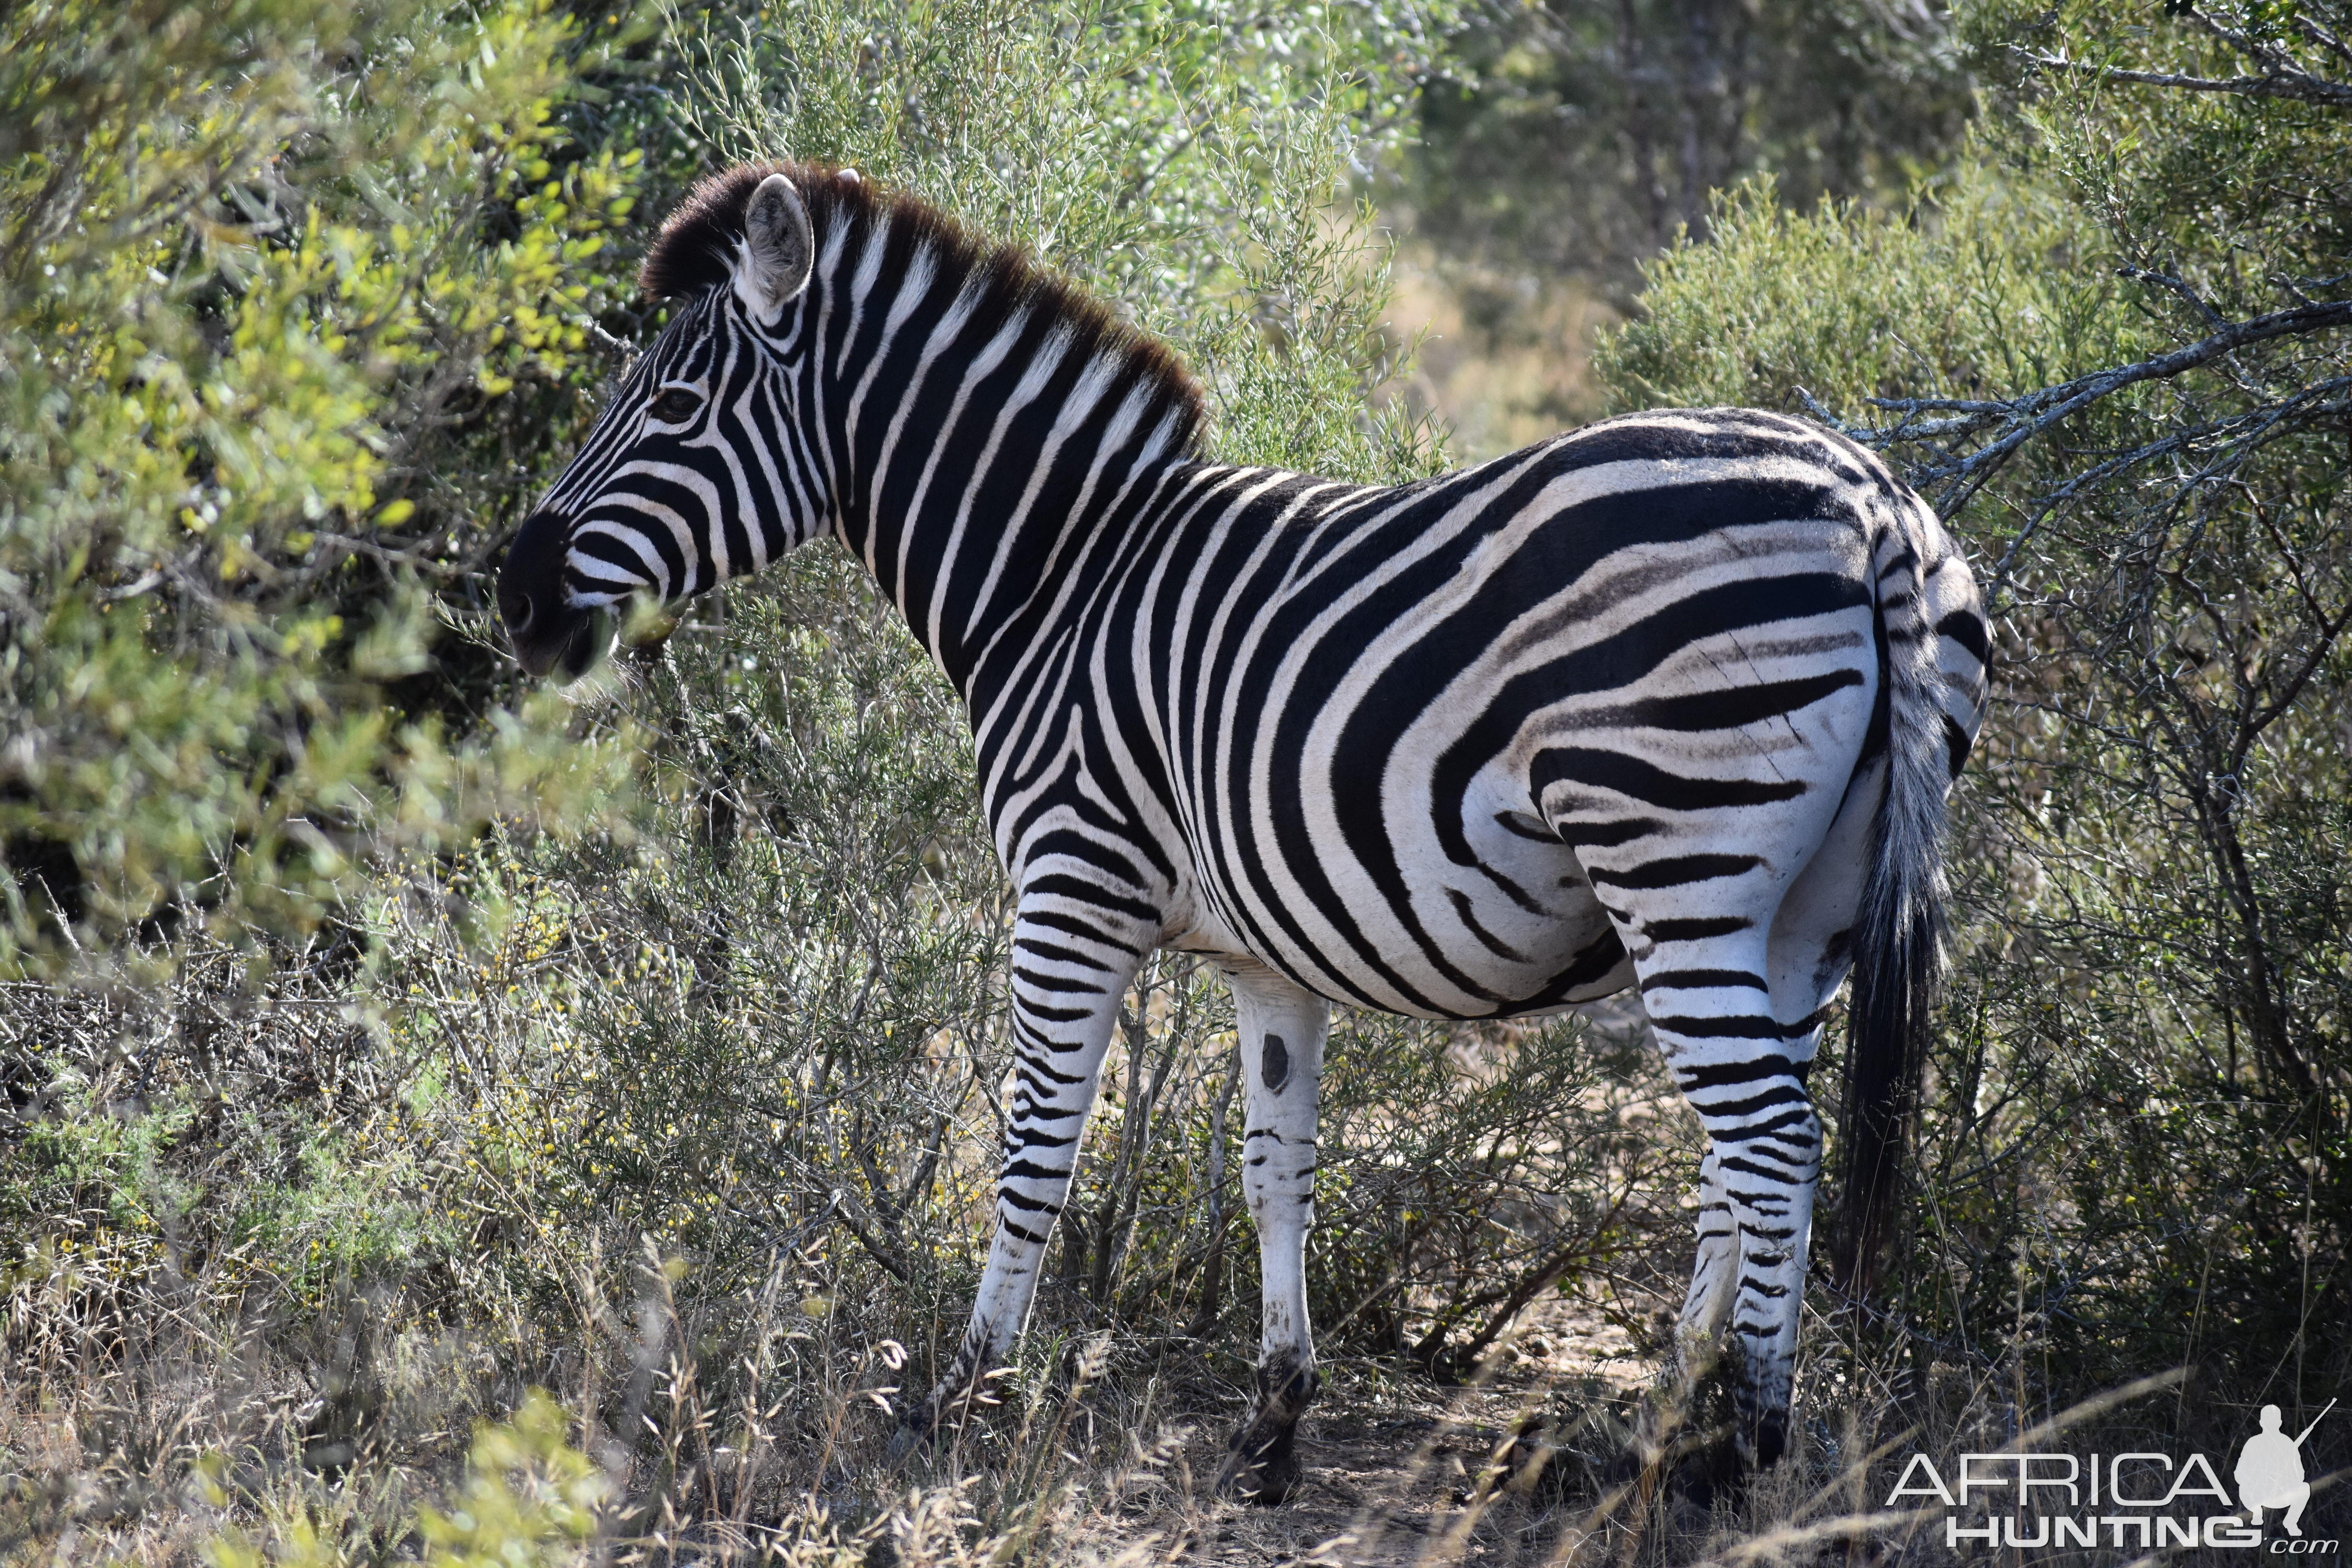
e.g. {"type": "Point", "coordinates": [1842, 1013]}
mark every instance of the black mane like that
{"type": "Point", "coordinates": [697, 245]}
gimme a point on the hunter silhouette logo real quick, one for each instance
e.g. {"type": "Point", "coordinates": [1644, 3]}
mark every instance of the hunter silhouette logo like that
{"type": "Point", "coordinates": [2270, 1470]}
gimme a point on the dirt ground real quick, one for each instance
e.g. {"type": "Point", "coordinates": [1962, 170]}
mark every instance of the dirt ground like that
{"type": "Point", "coordinates": [1393, 1468]}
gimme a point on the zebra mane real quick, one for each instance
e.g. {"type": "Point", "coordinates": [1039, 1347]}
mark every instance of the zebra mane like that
{"type": "Point", "coordinates": [698, 243]}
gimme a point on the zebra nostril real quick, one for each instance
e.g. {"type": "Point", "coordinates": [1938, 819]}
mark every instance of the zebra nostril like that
{"type": "Point", "coordinates": [516, 609]}
{"type": "Point", "coordinates": [531, 593]}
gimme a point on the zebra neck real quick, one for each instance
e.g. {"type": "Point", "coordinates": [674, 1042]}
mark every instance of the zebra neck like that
{"type": "Point", "coordinates": [989, 565]}
{"type": "Point", "coordinates": [996, 441]}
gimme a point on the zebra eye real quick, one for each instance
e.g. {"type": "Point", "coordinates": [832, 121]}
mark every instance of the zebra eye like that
{"type": "Point", "coordinates": [676, 404]}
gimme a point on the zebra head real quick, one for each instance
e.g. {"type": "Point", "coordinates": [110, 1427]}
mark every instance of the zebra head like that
{"type": "Point", "coordinates": [689, 476]}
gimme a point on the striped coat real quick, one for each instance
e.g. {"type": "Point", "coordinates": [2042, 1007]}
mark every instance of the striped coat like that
{"type": "Point", "coordinates": [1674, 701]}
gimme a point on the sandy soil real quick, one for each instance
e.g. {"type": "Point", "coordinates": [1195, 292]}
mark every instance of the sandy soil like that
{"type": "Point", "coordinates": [1393, 1468]}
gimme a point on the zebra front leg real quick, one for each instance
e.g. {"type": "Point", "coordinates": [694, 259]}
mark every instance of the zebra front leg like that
{"type": "Point", "coordinates": [1071, 965]}
{"type": "Point", "coordinates": [1282, 1029]}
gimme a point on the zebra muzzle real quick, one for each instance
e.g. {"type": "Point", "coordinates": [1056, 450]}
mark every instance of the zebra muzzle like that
{"type": "Point", "coordinates": [548, 633]}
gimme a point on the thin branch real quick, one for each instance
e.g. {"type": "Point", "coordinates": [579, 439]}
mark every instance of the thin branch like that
{"type": "Point", "coordinates": [2030, 414]}
{"type": "Point", "coordinates": [2329, 630]}
{"type": "Point", "coordinates": [2322, 38]}
{"type": "Point", "coordinates": [2308, 403]}
{"type": "Point", "coordinates": [862, 1224]}
{"type": "Point", "coordinates": [2269, 56]}
{"type": "Point", "coordinates": [2214, 319]}
{"type": "Point", "coordinates": [2045, 407]}
{"type": "Point", "coordinates": [2279, 81]}
{"type": "Point", "coordinates": [2098, 474]}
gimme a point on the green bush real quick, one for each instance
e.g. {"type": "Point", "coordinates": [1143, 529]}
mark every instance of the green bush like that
{"type": "Point", "coordinates": [298, 297]}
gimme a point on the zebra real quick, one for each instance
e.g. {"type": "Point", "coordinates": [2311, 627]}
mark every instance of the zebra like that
{"type": "Point", "coordinates": [1673, 702]}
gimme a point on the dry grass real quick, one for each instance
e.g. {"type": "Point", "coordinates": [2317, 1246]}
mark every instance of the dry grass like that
{"type": "Point", "coordinates": [281, 1248]}
{"type": "Point", "coordinates": [752, 1430]}
{"type": "Point", "coordinates": [271, 1294]}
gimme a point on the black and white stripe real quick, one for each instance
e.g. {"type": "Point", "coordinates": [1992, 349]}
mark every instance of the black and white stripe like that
{"type": "Point", "coordinates": [1673, 700]}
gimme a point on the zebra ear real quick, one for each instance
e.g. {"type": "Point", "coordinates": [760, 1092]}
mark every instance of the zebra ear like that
{"type": "Point", "coordinates": [779, 249]}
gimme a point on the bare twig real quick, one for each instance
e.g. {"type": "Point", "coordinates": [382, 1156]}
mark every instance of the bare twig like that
{"type": "Point", "coordinates": [2034, 412]}
{"type": "Point", "coordinates": [2277, 82]}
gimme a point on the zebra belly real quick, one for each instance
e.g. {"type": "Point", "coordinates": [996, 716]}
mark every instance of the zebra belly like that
{"type": "Point", "coordinates": [1513, 930]}
{"type": "Point", "coordinates": [1570, 958]}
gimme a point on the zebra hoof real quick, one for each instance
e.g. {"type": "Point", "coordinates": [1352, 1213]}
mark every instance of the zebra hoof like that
{"type": "Point", "coordinates": [1721, 1468]}
{"type": "Point", "coordinates": [1261, 1466]}
{"type": "Point", "coordinates": [1707, 1476]}
{"type": "Point", "coordinates": [1261, 1461]}
{"type": "Point", "coordinates": [921, 1424]}
{"type": "Point", "coordinates": [1691, 1474]}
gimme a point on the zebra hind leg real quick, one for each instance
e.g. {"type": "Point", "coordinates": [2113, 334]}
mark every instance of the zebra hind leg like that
{"type": "Point", "coordinates": [1680, 1432]}
{"type": "Point", "coordinates": [1282, 1029]}
{"type": "Point", "coordinates": [1698, 893]}
{"type": "Point", "coordinates": [1765, 1142]}
{"type": "Point", "coordinates": [1740, 1064]}
{"type": "Point", "coordinates": [1724, 1411]}
{"type": "Point", "coordinates": [1681, 1437]}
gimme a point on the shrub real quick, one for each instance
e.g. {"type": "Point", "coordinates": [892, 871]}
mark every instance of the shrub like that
{"type": "Point", "coordinates": [298, 297]}
{"type": "Point", "coordinates": [694, 1120]}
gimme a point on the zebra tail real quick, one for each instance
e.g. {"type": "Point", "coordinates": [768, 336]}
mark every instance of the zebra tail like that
{"type": "Point", "coordinates": [1899, 937]}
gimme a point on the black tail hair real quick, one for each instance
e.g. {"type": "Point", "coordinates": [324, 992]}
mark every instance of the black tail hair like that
{"type": "Point", "coordinates": [1899, 939]}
